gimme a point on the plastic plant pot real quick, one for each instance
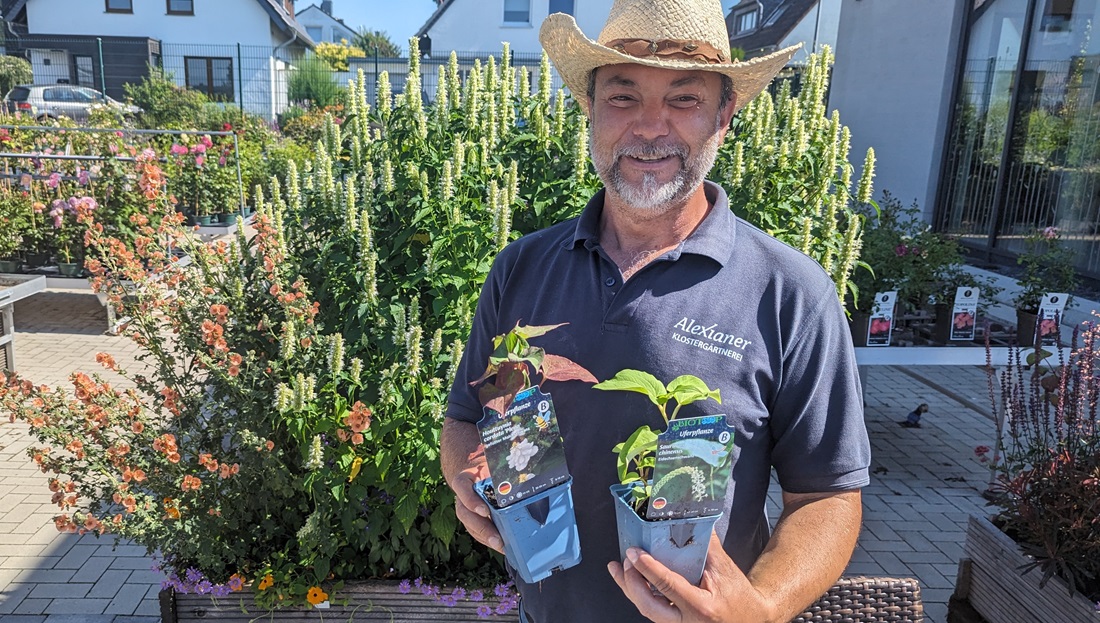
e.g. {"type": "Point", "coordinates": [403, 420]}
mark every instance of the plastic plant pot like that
{"type": "Point", "coordinates": [679, 544]}
{"type": "Point", "coordinates": [540, 533]}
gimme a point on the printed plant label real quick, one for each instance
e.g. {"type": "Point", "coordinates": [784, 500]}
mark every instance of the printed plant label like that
{"type": "Point", "coordinates": [882, 319]}
{"type": "Point", "coordinates": [523, 447]}
{"type": "Point", "coordinates": [964, 313]}
{"type": "Point", "coordinates": [694, 458]}
{"type": "Point", "coordinates": [1050, 314]}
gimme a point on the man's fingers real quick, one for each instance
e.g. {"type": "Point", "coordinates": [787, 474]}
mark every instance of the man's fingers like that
{"type": "Point", "coordinates": [483, 530]}
{"type": "Point", "coordinates": [636, 586]}
{"type": "Point", "coordinates": [466, 496]}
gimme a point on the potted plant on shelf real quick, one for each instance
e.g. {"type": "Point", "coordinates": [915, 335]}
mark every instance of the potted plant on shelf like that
{"type": "Point", "coordinates": [68, 216]}
{"type": "Point", "coordinates": [1038, 557]}
{"type": "Point", "coordinates": [672, 483]}
{"type": "Point", "coordinates": [528, 491]}
{"type": "Point", "coordinates": [1047, 267]}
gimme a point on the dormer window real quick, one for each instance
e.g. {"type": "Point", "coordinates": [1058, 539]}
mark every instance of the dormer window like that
{"type": "Point", "coordinates": [745, 21]}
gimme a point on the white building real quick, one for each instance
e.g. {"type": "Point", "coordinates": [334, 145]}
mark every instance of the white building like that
{"type": "Point", "coordinates": [234, 51]}
{"type": "Point", "coordinates": [320, 25]}
{"type": "Point", "coordinates": [760, 27]}
{"type": "Point", "coordinates": [481, 25]}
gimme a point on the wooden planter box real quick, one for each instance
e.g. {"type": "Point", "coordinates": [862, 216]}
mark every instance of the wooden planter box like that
{"type": "Point", "coordinates": [366, 601]}
{"type": "Point", "coordinates": [995, 587]}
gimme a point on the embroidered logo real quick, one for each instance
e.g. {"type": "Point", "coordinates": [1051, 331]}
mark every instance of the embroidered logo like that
{"type": "Point", "coordinates": [710, 339]}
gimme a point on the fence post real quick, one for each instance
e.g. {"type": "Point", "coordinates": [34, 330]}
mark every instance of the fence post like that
{"type": "Point", "coordinates": [237, 152]}
{"type": "Point", "coordinates": [240, 89]}
{"type": "Point", "coordinates": [102, 73]}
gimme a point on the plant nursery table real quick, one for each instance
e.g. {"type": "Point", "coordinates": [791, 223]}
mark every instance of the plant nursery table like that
{"type": "Point", "coordinates": [12, 289]}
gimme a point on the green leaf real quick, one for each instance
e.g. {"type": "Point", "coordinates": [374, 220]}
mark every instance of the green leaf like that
{"type": "Point", "coordinates": [641, 441]}
{"type": "Point", "coordinates": [635, 381]}
{"type": "Point", "coordinates": [687, 389]}
{"type": "Point", "coordinates": [536, 330]}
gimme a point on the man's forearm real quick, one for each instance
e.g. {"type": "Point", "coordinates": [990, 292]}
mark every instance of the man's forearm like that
{"type": "Point", "coordinates": [460, 449]}
{"type": "Point", "coordinates": [812, 544]}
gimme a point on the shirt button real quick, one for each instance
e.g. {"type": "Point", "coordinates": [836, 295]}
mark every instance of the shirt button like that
{"type": "Point", "coordinates": [610, 281]}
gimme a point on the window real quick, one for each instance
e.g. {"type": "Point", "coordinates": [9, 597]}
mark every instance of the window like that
{"type": "Point", "coordinates": [85, 74]}
{"type": "Point", "coordinates": [181, 7]}
{"type": "Point", "coordinates": [517, 11]}
{"type": "Point", "coordinates": [212, 76]}
{"type": "Point", "coordinates": [744, 22]}
{"type": "Point", "coordinates": [561, 6]}
{"type": "Point", "coordinates": [314, 33]}
{"type": "Point", "coordinates": [120, 6]}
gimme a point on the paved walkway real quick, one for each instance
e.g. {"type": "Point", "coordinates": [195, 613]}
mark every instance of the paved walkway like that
{"type": "Point", "coordinates": [926, 483]}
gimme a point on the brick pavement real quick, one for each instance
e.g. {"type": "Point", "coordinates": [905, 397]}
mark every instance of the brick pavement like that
{"type": "Point", "coordinates": [926, 483]}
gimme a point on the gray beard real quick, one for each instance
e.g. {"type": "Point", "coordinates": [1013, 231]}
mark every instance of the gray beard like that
{"type": "Point", "coordinates": [651, 197]}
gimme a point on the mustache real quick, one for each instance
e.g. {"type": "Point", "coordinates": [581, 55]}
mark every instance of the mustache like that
{"type": "Point", "coordinates": [652, 150]}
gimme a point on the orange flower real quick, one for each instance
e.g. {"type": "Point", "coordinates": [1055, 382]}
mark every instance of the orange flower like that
{"type": "Point", "coordinates": [270, 445]}
{"type": "Point", "coordinates": [265, 583]}
{"type": "Point", "coordinates": [137, 427]}
{"type": "Point", "coordinates": [357, 438]}
{"type": "Point", "coordinates": [191, 483]}
{"type": "Point", "coordinates": [234, 370]}
{"type": "Point", "coordinates": [316, 595]}
{"type": "Point", "coordinates": [226, 471]}
{"type": "Point", "coordinates": [172, 512]}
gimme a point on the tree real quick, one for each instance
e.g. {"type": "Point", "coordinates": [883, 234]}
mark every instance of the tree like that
{"type": "Point", "coordinates": [370, 39]}
{"type": "Point", "coordinates": [312, 82]}
{"type": "Point", "coordinates": [13, 71]}
{"type": "Point", "coordinates": [336, 54]}
{"type": "Point", "coordinates": [165, 104]}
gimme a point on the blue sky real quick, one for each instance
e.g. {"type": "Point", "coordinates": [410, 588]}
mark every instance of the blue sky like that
{"type": "Point", "coordinates": [400, 19]}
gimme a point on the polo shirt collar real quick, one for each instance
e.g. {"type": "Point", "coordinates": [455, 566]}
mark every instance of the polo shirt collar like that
{"type": "Point", "coordinates": [713, 237]}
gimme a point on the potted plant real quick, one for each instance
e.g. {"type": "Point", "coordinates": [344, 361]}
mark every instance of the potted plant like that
{"type": "Point", "coordinates": [1038, 557]}
{"type": "Point", "coordinates": [67, 215]}
{"type": "Point", "coordinates": [531, 502]}
{"type": "Point", "coordinates": [1047, 267]}
{"type": "Point", "coordinates": [669, 507]}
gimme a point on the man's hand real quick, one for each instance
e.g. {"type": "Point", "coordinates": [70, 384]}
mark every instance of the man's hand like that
{"type": "Point", "coordinates": [463, 460]}
{"type": "Point", "coordinates": [724, 594]}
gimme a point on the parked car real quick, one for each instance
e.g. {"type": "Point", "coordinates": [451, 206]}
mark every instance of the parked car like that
{"type": "Point", "coordinates": [50, 101]}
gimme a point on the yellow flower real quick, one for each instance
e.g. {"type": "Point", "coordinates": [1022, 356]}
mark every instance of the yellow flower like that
{"type": "Point", "coordinates": [266, 582]}
{"type": "Point", "coordinates": [316, 595]}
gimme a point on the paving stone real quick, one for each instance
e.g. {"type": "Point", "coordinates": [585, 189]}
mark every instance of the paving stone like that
{"type": "Point", "coordinates": [24, 618]}
{"type": "Point", "coordinates": [90, 608]}
{"type": "Point", "coordinates": [110, 583]}
{"type": "Point", "coordinates": [75, 557]}
{"type": "Point", "coordinates": [58, 591]}
{"type": "Point", "coordinates": [11, 595]}
{"type": "Point", "coordinates": [70, 617]}
{"type": "Point", "coordinates": [127, 600]}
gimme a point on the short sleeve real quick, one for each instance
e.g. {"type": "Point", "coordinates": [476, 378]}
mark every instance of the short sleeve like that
{"type": "Point", "coordinates": [819, 434]}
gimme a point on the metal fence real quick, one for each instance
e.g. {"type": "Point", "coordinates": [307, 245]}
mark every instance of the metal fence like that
{"type": "Point", "coordinates": [253, 78]}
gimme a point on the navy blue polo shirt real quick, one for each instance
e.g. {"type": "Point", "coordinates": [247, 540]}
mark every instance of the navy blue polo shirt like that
{"type": "Point", "coordinates": [732, 305]}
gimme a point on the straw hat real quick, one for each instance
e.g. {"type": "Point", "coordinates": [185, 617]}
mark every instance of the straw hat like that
{"type": "Point", "coordinates": [672, 34]}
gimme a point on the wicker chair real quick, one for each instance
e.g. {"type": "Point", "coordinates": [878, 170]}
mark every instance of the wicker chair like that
{"type": "Point", "coordinates": [868, 600]}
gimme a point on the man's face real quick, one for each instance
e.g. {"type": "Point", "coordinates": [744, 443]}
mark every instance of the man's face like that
{"type": "Point", "coordinates": [656, 132]}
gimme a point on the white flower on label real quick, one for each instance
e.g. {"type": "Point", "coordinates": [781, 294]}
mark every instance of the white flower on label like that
{"type": "Point", "coordinates": [522, 453]}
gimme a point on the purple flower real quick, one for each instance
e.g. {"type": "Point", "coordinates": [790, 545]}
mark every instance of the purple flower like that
{"type": "Point", "coordinates": [83, 177]}
{"type": "Point", "coordinates": [220, 590]}
{"type": "Point", "coordinates": [449, 601]}
{"type": "Point", "coordinates": [54, 180]}
{"type": "Point", "coordinates": [1050, 233]}
{"type": "Point", "coordinates": [484, 611]}
{"type": "Point", "coordinates": [192, 575]}
{"type": "Point", "coordinates": [901, 250]}
{"type": "Point", "coordinates": [404, 587]}
{"type": "Point", "coordinates": [148, 153]}
{"type": "Point", "coordinates": [418, 582]}
{"type": "Point", "coordinates": [476, 596]}
{"type": "Point", "coordinates": [459, 593]}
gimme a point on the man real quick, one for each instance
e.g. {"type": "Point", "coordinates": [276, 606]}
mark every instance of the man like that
{"type": "Point", "coordinates": [657, 274]}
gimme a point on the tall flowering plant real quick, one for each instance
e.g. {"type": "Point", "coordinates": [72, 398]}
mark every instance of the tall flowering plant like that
{"type": "Point", "coordinates": [1047, 267]}
{"type": "Point", "coordinates": [1047, 462]}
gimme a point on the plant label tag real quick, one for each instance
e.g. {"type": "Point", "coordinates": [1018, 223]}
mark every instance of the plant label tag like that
{"type": "Point", "coordinates": [1050, 314]}
{"type": "Point", "coordinates": [693, 465]}
{"type": "Point", "coordinates": [882, 319]}
{"type": "Point", "coordinates": [523, 447]}
{"type": "Point", "coordinates": [964, 313]}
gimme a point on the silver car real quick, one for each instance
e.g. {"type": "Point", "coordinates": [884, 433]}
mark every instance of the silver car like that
{"type": "Point", "coordinates": [50, 101]}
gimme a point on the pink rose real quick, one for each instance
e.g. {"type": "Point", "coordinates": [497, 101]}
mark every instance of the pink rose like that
{"type": "Point", "coordinates": [178, 150]}
{"type": "Point", "coordinates": [199, 160]}
{"type": "Point", "coordinates": [199, 149]}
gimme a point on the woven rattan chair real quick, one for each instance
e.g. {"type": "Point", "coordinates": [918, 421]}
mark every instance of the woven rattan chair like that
{"type": "Point", "coordinates": [868, 600]}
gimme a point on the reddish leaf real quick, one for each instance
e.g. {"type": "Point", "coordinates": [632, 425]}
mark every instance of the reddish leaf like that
{"type": "Point", "coordinates": [511, 380]}
{"type": "Point", "coordinates": [557, 368]}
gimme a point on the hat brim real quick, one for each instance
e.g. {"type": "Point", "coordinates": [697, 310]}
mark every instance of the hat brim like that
{"type": "Point", "coordinates": [575, 56]}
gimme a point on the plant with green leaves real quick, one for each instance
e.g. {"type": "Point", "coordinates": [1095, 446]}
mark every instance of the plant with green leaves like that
{"type": "Point", "coordinates": [637, 455]}
{"type": "Point", "coordinates": [785, 167]}
{"type": "Point", "coordinates": [512, 360]}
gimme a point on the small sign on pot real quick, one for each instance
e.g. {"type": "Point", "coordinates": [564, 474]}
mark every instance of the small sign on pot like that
{"type": "Point", "coordinates": [882, 319]}
{"type": "Point", "coordinates": [692, 468]}
{"type": "Point", "coordinates": [1050, 313]}
{"type": "Point", "coordinates": [964, 313]}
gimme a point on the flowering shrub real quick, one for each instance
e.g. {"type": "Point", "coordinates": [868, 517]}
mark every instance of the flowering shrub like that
{"type": "Point", "coordinates": [1047, 267]}
{"type": "Point", "coordinates": [1048, 462]}
{"type": "Point", "coordinates": [202, 175]}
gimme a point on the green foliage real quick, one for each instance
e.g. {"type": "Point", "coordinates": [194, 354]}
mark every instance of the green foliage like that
{"type": "Point", "coordinates": [376, 41]}
{"type": "Point", "coordinates": [14, 216]}
{"type": "Point", "coordinates": [13, 71]}
{"type": "Point", "coordinates": [901, 252]}
{"type": "Point", "coordinates": [636, 456]}
{"type": "Point", "coordinates": [785, 167]}
{"type": "Point", "coordinates": [164, 104]}
{"type": "Point", "coordinates": [312, 82]}
{"type": "Point", "coordinates": [1048, 267]}
{"type": "Point", "coordinates": [1048, 473]}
